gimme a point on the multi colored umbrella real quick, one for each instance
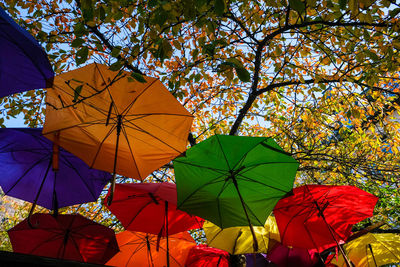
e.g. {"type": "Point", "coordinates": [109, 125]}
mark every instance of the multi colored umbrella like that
{"type": "Point", "coordinates": [23, 63]}
{"type": "Point", "coordinates": [239, 240]}
{"type": "Point", "coordinates": [141, 249]}
{"type": "Point", "coordinates": [91, 107]}
{"type": "Point", "coordinates": [321, 216]}
{"type": "Point", "coordinates": [150, 208]}
{"type": "Point", "coordinates": [234, 180]}
{"type": "Point", "coordinates": [204, 256]}
{"type": "Point", "coordinates": [372, 249]}
{"type": "Point", "coordinates": [70, 237]}
{"type": "Point", "coordinates": [36, 170]}
{"type": "Point", "coordinates": [284, 256]}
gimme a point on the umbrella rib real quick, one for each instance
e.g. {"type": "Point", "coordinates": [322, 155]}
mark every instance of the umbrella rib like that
{"type": "Point", "coordinates": [223, 153]}
{"type": "Point", "coordinates": [147, 121]}
{"type": "Point", "coordinates": [115, 79]}
{"type": "Point", "coordinates": [101, 144]}
{"type": "Point", "coordinates": [259, 182]}
{"type": "Point", "coordinates": [384, 245]}
{"type": "Point", "coordinates": [104, 112]}
{"type": "Point", "coordinates": [76, 246]}
{"type": "Point", "coordinates": [219, 171]}
{"type": "Point", "coordinates": [306, 209]}
{"type": "Point", "coordinates": [50, 239]}
{"type": "Point", "coordinates": [223, 187]}
{"type": "Point", "coordinates": [215, 180]}
{"type": "Point", "coordinates": [148, 133]}
{"type": "Point", "coordinates": [139, 211]}
{"type": "Point", "coordinates": [26, 172]}
{"type": "Point", "coordinates": [71, 166]}
{"type": "Point", "coordinates": [130, 150]}
{"type": "Point", "coordinates": [138, 96]}
{"type": "Point", "coordinates": [144, 115]}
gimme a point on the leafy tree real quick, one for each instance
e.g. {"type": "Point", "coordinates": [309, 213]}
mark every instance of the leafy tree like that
{"type": "Point", "coordinates": [321, 77]}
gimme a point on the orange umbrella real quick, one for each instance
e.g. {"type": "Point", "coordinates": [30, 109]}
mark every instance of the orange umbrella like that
{"type": "Point", "coordinates": [93, 106]}
{"type": "Point", "coordinates": [141, 249]}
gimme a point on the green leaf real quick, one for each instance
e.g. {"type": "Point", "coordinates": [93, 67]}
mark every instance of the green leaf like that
{"type": "Point", "coordinates": [342, 4]}
{"type": "Point", "coordinates": [235, 61]}
{"type": "Point", "coordinates": [243, 74]}
{"type": "Point", "coordinates": [219, 7]}
{"type": "Point", "coordinates": [115, 51]}
{"type": "Point", "coordinates": [297, 5]}
{"type": "Point", "coordinates": [209, 49]}
{"type": "Point", "coordinates": [394, 12]}
{"type": "Point", "coordinates": [82, 55]}
{"type": "Point", "coordinates": [77, 92]}
{"type": "Point", "coordinates": [138, 77]}
{"type": "Point", "coordinates": [77, 42]}
{"type": "Point", "coordinates": [116, 66]}
{"type": "Point", "coordinates": [102, 13]}
{"type": "Point", "coordinates": [79, 29]}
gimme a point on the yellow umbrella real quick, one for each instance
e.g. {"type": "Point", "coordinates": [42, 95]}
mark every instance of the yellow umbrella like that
{"type": "Point", "coordinates": [239, 240]}
{"type": "Point", "coordinates": [91, 107]}
{"type": "Point", "coordinates": [372, 250]}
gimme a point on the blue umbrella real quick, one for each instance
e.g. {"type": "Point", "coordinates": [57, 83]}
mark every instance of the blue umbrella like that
{"type": "Point", "coordinates": [34, 170]}
{"type": "Point", "coordinates": [23, 63]}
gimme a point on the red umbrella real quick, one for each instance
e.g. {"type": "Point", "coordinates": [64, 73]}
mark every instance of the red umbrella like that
{"type": "Point", "coordinates": [70, 237]}
{"type": "Point", "coordinates": [142, 208]}
{"type": "Point", "coordinates": [205, 256]}
{"type": "Point", "coordinates": [284, 256]}
{"type": "Point", "coordinates": [321, 216]}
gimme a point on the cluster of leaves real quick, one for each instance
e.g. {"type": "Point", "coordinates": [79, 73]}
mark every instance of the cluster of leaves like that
{"type": "Point", "coordinates": [320, 76]}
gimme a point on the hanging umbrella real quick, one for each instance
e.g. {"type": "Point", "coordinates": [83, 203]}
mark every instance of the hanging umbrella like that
{"type": "Point", "coordinates": [151, 208]}
{"type": "Point", "coordinates": [372, 250]}
{"type": "Point", "coordinates": [69, 237]}
{"type": "Point", "coordinates": [36, 170]}
{"type": "Point", "coordinates": [92, 106]}
{"type": "Point", "coordinates": [141, 249]}
{"type": "Point", "coordinates": [238, 240]}
{"type": "Point", "coordinates": [321, 216]}
{"type": "Point", "coordinates": [142, 208]}
{"type": "Point", "coordinates": [234, 180]}
{"type": "Point", "coordinates": [23, 63]}
{"type": "Point", "coordinates": [204, 256]}
{"type": "Point", "coordinates": [284, 256]}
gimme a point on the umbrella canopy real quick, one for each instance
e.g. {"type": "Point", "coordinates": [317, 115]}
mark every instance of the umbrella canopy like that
{"type": "Point", "coordinates": [372, 250]}
{"type": "Point", "coordinates": [321, 216]}
{"type": "Point", "coordinates": [149, 208]}
{"type": "Point", "coordinates": [284, 256]}
{"type": "Point", "coordinates": [29, 171]}
{"type": "Point", "coordinates": [23, 63]}
{"type": "Point", "coordinates": [238, 240]}
{"type": "Point", "coordinates": [141, 249]}
{"type": "Point", "coordinates": [92, 106]}
{"type": "Point", "coordinates": [204, 256]}
{"type": "Point", "coordinates": [70, 237]}
{"type": "Point", "coordinates": [233, 180]}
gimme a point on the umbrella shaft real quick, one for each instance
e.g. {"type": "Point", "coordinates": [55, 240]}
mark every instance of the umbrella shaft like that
{"type": "Point", "coordinates": [255, 244]}
{"type": "Point", "coordinates": [119, 126]}
{"type": "Point", "coordinates": [166, 230]}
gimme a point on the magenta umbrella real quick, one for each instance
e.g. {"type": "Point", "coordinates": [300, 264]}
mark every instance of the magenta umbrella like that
{"type": "Point", "coordinates": [284, 256]}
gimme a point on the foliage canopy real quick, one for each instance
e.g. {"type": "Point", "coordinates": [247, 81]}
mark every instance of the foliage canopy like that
{"type": "Point", "coordinates": [320, 77]}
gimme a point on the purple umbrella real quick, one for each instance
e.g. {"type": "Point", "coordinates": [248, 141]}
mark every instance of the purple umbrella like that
{"type": "Point", "coordinates": [32, 172]}
{"type": "Point", "coordinates": [23, 63]}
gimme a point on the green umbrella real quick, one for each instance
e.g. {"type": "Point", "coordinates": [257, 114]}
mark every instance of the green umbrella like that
{"type": "Point", "coordinates": [234, 180]}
